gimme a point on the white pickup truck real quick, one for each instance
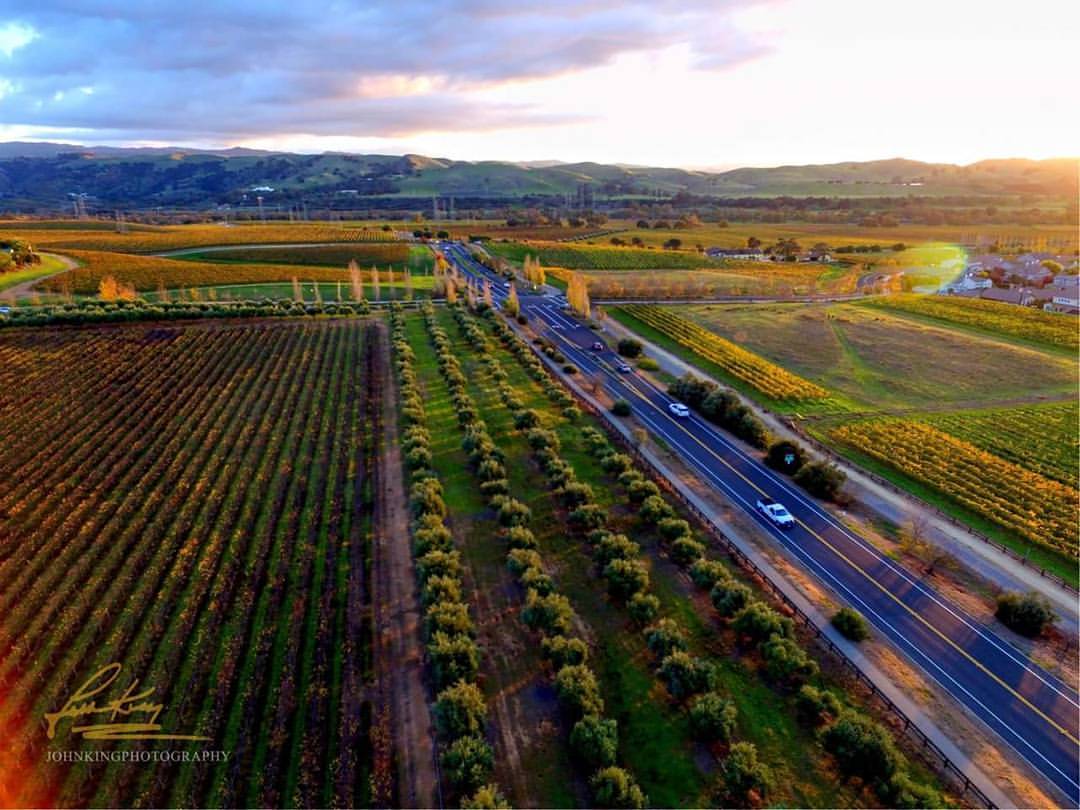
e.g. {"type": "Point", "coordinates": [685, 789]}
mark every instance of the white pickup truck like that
{"type": "Point", "coordinates": [776, 512]}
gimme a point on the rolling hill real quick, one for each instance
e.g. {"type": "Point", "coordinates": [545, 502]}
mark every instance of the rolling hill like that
{"type": "Point", "coordinates": [41, 175]}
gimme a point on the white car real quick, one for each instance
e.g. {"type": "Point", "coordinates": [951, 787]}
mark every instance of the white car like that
{"type": "Point", "coordinates": [679, 410]}
{"type": "Point", "coordinates": [625, 368]}
{"type": "Point", "coordinates": [776, 512]}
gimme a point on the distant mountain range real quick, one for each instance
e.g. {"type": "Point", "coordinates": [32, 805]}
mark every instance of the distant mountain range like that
{"type": "Point", "coordinates": [47, 174]}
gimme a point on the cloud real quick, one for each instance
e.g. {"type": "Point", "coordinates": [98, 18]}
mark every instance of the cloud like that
{"type": "Point", "coordinates": [236, 69]}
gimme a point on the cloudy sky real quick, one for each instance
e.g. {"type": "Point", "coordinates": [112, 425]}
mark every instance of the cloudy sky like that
{"type": "Point", "coordinates": [705, 83]}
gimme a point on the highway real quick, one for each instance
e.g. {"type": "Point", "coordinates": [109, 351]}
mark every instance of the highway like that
{"type": "Point", "coordinates": [1031, 710]}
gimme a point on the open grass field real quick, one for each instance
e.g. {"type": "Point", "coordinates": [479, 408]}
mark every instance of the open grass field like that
{"type": "Point", "coordinates": [188, 503]}
{"type": "Point", "coordinates": [970, 400]}
{"type": "Point", "coordinates": [151, 273]}
{"type": "Point", "coordinates": [879, 361]}
{"type": "Point", "coordinates": [991, 317]}
{"type": "Point", "coordinates": [49, 265]}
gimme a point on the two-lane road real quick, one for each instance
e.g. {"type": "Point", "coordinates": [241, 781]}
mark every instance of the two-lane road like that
{"type": "Point", "coordinates": [1031, 710]}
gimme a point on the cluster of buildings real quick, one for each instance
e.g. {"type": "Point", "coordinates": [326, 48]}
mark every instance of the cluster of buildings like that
{"type": "Point", "coordinates": [1027, 280]}
{"type": "Point", "coordinates": [757, 254]}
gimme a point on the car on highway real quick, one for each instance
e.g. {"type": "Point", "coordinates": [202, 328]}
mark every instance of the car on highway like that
{"type": "Point", "coordinates": [679, 410]}
{"type": "Point", "coordinates": [598, 346]}
{"type": "Point", "coordinates": [624, 368]}
{"type": "Point", "coordinates": [777, 513]}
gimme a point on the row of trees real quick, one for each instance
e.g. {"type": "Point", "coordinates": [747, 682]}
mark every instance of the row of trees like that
{"type": "Point", "coordinates": [593, 738]}
{"type": "Point", "coordinates": [454, 657]}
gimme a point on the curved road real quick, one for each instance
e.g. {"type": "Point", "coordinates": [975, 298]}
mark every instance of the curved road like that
{"type": "Point", "coordinates": [1030, 709]}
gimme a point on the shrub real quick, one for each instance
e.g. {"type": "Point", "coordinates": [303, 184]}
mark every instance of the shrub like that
{"type": "Point", "coordinates": [570, 368]}
{"type": "Point", "coordinates": [712, 717]}
{"type": "Point", "coordinates": [706, 573]}
{"type": "Point", "coordinates": [617, 463]}
{"type": "Point", "coordinates": [817, 706]}
{"type": "Point", "coordinates": [487, 797]}
{"type": "Point", "coordinates": [595, 741]}
{"type": "Point", "coordinates": [684, 675]}
{"type": "Point", "coordinates": [577, 689]}
{"type": "Point", "coordinates": [460, 710]}
{"type": "Point", "coordinates": [432, 535]}
{"type": "Point", "coordinates": [621, 407]}
{"type": "Point", "coordinates": [588, 516]}
{"type": "Point", "coordinates": [468, 763]}
{"type": "Point", "coordinates": [638, 491]}
{"type": "Point", "coordinates": [851, 624]}
{"type": "Point", "coordinates": [648, 364]}
{"type": "Point", "coordinates": [654, 509]}
{"type": "Point", "coordinates": [520, 537]}
{"type": "Point", "coordinates": [744, 780]}
{"type": "Point", "coordinates": [758, 621]}
{"type": "Point", "coordinates": [626, 577]}
{"type": "Point", "coordinates": [664, 638]}
{"type": "Point", "coordinates": [539, 438]}
{"type": "Point", "coordinates": [786, 662]}
{"type": "Point", "coordinates": [453, 658]}
{"type": "Point", "coordinates": [820, 479]}
{"type": "Point", "coordinates": [575, 493]}
{"type": "Point", "coordinates": [670, 528]}
{"type": "Point", "coordinates": [449, 617]}
{"type": "Point", "coordinates": [615, 788]}
{"type": "Point", "coordinates": [615, 547]}
{"type": "Point", "coordinates": [535, 579]}
{"type": "Point", "coordinates": [500, 486]}
{"type": "Point", "coordinates": [686, 550]}
{"type": "Point", "coordinates": [643, 607]}
{"type": "Point", "coordinates": [628, 347]}
{"type": "Point", "coordinates": [862, 748]}
{"type": "Point", "coordinates": [901, 792]}
{"type": "Point", "coordinates": [1028, 614]}
{"type": "Point", "coordinates": [441, 589]}
{"type": "Point", "coordinates": [729, 597]}
{"type": "Point", "coordinates": [786, 456]}
{"type": "Point", "coordinates": [438, 563]}
{"type": "Point", "coordinates": [514, 513]}
{"type": "Point", "coordinates": [551, 613]}
{"type": "Point", "coordinates": [426, 498]}
{"type": "Point", "coordinates": [563, 650]}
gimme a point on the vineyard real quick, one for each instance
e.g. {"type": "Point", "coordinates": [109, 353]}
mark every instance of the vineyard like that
{"type": "Point", "coordinates": [1040, 438]}
{"type": "Point", "coordinates": [588, 257]}
{"type": "Point", "coordinates": [363, 253]}
{"type": "Point", "coordinates": [991, 316]}
{"type": "Point", "coordinates": [780, 280]}
{"type": "Point", "coordinates": [190, 503]}
{"type": "Point", "coordinates": [1039, 509]}
{"type": "Point", "coordinates": [152, 273]}
{"type": "Point", "coordinates": [736, 363]}
{"type": "Point", "coordinates": [175, 237]}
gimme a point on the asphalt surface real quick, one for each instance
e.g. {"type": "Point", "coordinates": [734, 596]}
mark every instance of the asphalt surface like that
{"type": "Point", "coordinates": [1030, 709]}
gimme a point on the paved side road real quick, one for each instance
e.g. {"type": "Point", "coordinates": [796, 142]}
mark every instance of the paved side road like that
{"type": "Point", "coordinates": [982, 558]}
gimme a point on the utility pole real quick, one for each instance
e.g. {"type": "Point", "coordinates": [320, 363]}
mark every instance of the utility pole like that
{"type": "Point", "coordinates": [262, 215]}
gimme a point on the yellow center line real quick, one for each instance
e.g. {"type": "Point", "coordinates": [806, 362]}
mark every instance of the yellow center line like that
{"type": "Point", "coordinates": [881, 587]}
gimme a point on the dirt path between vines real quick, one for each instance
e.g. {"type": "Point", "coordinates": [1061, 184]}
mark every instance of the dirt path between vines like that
{"type": "Point", "coordinates": [399, 657]}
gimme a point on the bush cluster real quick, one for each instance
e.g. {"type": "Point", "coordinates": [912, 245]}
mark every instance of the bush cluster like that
{"type": "Point", "coordinates": [722, 407]}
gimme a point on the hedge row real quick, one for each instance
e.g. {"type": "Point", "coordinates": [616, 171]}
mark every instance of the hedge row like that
{"type": "Point", "coordinates": [460, 708]}
{"type": "Point", "coordinates": [92, 312]}
{"type": "Point", "coordinates": [593, 738]}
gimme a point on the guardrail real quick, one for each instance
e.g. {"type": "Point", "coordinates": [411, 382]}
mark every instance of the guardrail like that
{"type": "Point", "coordinates": [889, 485]}
{"type": "Point", "coordinates": [928, 748]}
